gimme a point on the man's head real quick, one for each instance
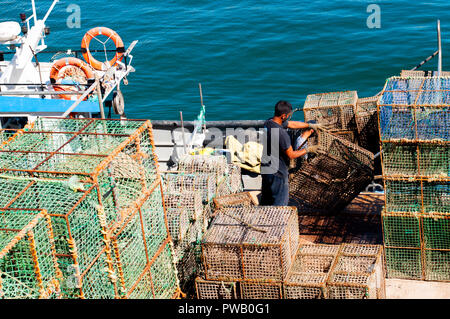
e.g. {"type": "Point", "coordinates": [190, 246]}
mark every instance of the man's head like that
{"type": "Point", "coordinates": [283, 110]}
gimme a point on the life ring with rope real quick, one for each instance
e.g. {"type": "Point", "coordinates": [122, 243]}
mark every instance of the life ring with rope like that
{"type": "Point", "coordinates": [70, 67]}
{"type": "Point", "coordinates": [111, 34]}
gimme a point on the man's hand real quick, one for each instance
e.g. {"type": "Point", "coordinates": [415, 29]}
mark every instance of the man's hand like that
{"type": "Point", "coordinates": [313, 149]}
{"type": "Point", "coordinates": [315, 126]}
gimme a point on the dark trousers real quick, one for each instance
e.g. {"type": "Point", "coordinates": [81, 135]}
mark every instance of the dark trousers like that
{"type": "Point", "coordinates": [275, 190]}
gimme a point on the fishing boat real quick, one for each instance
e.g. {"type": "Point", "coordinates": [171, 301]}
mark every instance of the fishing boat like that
{"type": "Point", "coordinates": [37, 82]}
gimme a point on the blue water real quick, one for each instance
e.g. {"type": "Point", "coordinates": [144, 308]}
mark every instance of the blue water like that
{"type": "Point", "coordinates": [250, 54]}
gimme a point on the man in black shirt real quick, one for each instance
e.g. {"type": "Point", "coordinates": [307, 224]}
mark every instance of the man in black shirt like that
{"type": "Point", "coordinates": [277, 154]}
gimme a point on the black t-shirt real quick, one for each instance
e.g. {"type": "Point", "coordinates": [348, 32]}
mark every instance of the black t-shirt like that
{"type": "Point", "coordinates": [274, 159]}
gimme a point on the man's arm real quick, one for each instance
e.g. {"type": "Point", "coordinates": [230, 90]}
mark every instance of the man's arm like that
{"type": "Point", "coordinates": [295, 154]}
{"type": "Point", "coordinates": [296, 125]}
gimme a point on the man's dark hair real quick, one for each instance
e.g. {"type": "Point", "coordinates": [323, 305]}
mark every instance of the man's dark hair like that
{"type": "Point", "coordinates": [283, 107]}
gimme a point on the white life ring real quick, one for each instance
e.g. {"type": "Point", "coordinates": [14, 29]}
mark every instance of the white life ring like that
{"type": "Point", "coordinates": [9, 31]}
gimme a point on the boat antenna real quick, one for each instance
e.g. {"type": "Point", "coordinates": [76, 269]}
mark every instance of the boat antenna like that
{"type": "Point", "coordinates": [439, 47]}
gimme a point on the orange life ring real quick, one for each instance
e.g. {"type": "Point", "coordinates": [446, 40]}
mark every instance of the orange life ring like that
{"type": "Point", "coordinates": [120, 48]}
{"type": "Point", "coordinates": [56, 74]}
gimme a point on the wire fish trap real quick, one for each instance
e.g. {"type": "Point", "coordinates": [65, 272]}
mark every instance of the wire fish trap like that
{"type": "Point", "coordinates": [417, 245]}
{"type": "Point", "coordinates": [335, 111]}
{"type": "Point", "coordinates": [28, 264]}
{"type": "Point", "coordinates": [308, 275]}
{"type": "Point", "coordinates": [367, 123]}
{"type": "Point", "coordinates": [90, 175]}
{"type": "Point", "coordinates": [215, 289]}
{"type": "Point", "coordinates": [194, 164]}
{"type": "Point", "coordinates": [421, 74]}
{"type": "Point", "coordinates": [414, 196]}
{"type": "Point", "coordinates": [417, 161]}
{"type": "Point", "coordinates": [181, 208]}
{"type": "Point", "coordinates": [202, 183]}
{"type": "Point", "coordinates": [333, 177]}
{"type": "Point", "coordinates": [234, 178]}
{"type": "Point", "coordinates": [231, 182]}
{"type": "Point", "coordinates": [415, 109]}
{"type": "Point", "coordinates": [357, 273]}
{"type": "Point", "coordinates": [251, 243]}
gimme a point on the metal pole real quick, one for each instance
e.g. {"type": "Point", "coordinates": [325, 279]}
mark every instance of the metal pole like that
{"type": "Point", "coordinates": [426, 60]}
{"type": "Point", "coordinates": [85, 94]}
{"type": "Point", "coordinates": [184, 136]}
{"type": "Point", "coordinates": [439, 47]}
{"type": "Point", "coordinates": [100, 98]}
{"type": "Point", "coordinates": [50, 10]}
{"type": "Point", "coordinates": [201, 101]}
{"type": "Point", "coordinates": [34, 11]}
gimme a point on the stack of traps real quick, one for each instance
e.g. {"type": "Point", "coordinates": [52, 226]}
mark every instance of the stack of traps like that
{"type": "Point", "coordinates": [415, 135]}
{"type": "Point", "coordinates": [333, 177]}
{"type": "Point", "coordinates": [98, 181]}
{"type": "Point", "coordinates": [348, 271]}
{"type": "Point", "coordinates": [188, 195]}
{"type": "Point", "coordinates": [252, 245]}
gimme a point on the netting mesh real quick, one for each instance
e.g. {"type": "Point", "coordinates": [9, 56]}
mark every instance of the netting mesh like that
{"type": "Point", "coordinates": [99, 182]}
{"type": "Point", "coordinates": [260, 290]}
{"type": "Point", "coordinates": [415, 132]}
{"type": "Point", "coordinates": [28, 265]}
{"type": "Point", "coordinates": [335, 111]}
{"type": "Point", "coordinates": [215, 289]}
{"type": "Point", "coordinates": [426, 73]}
{"type": "Point", "coordinates": [357, 273]}
{"type": "Point", "coordinates": [181, 209]}
{"type": "Point", "coordinates": [231, 182]}
{"type": "Point", "coordinates": [205, 184]}
{"type": "Point", "coordinates": [414, 243]}
{"type": "Point", "coordinates": [415, 109]}
{"type": "Point", "coordinates": [193, 164]}
{"type": "Point", "coordinates": [251, 243]}
{"type": "Point", "coordinates": [334, 176]}
{"type": "Point", "coordinates": [350, 136]}
{"type": "Point", "coordinates": [233, 200]}
{"type": "Point", "coordinates": [309, 272]}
